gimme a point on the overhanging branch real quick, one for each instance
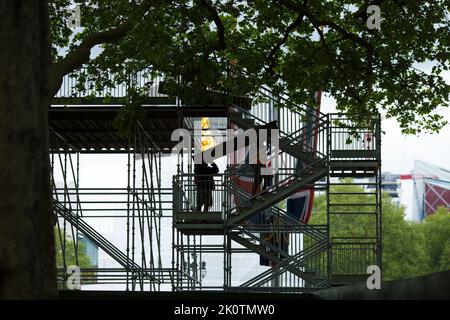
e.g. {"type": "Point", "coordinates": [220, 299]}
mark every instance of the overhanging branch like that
{"type": "Point", "coordinates": [289, 29]}
{"type": "Point", "coordinates": [327, 23]}
{"type": "Point", "coordinates": [317, 23]}
{"type": "Point", "coordinates": [81, 54]}
{"type": "Point", "coordinates": [214, 16]}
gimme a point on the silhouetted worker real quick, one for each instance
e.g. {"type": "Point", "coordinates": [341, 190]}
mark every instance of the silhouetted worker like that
{"type": "Point", "coordinates": [204, 182]}
{"type": "Point", "coordinates": [259, 178]}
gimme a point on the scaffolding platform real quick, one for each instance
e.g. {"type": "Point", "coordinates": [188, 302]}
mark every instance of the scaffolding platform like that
{"type": "Point", "coordinates": [93, 129]}
{"type": "Point", "coordinates": [353, 168]}
{"type": "Point", "coordinates": [195, 216]}
{"type": "Point", "coordinates": [200, 228]}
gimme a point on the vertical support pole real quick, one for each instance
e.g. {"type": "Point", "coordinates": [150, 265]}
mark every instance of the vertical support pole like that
{"type": "Point", "coordinates": [200, 260]}
{"type": "Point", "coordinates": [328, 157]}
{"type": "Point", "coordinates": [188, 263]}
{"type": "Point", "coordinates": [225, 262]}
{"type": "Point", "coordinates": [141, 205]}
{"type": "Point", "coordinates": [77, 190]}
{"type": "Point", "coordinates": [160, 216]}
{"type": "Point", "coordinates": [133, 215]}
{"type": "Point", "coordinates": [380, 218]}
{"type": "Point", "coordinates": [174, 210]}
{"type": "Point", "coordinates": [128, 208]}
{"type": "Point", "coordinates": [65, 205]}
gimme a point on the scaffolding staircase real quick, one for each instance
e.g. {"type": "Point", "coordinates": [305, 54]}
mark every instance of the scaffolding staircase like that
{"type": "Point", "coordinates": [264, 206]}
{"type": "Point", "coordinates": [99, 240]}
{"type": "Point", "coordinates": [324, 258]}
{"type": "Point", "coordinates": [249, 235]}
{"type": "Point", "coordinates": [299, 179]}
{"type": "Point", "coordinates": [354, 197]}
{"type": "Point", "coordinates": [318, 256]}
{"type": "Point", "coordinates": [236, 221]}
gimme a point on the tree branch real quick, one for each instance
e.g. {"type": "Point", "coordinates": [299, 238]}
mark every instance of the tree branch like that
{"type": "Point", "coordinates": [81, 54]}
{"type": "Point", "coordinates": [277, 47]}
{"type": "Point", "coordinates": [326, 23]}
{"type": "Point", "coordinates": [214, 15]}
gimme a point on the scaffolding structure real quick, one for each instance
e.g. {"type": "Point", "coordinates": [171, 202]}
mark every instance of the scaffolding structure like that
{"type": "Point", "coordinates": [139, 204]}
{"type": "Point", "coordinates": [240, 225]}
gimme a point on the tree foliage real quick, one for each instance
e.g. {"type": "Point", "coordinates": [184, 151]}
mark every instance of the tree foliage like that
{"type": "Point", "coordinates": [70, 252]}
{"type": "Point", "coordinates": [436, 228]}
{"type": "Point", "coordinates": [409, 249]}
{"type": "Point", "coordinates": [294, 46]}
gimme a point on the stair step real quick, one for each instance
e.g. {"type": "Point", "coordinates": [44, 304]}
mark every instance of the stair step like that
{"type": "Point", "coordinates": [353, 204]}
{"type": "Point", "coordinates": [350, 212]}
{"type": "Point", "coordinates": [352, 193]}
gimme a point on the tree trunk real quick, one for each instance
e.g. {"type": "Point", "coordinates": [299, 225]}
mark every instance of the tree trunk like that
{"type": "Point", "coordinates": [27, 263]}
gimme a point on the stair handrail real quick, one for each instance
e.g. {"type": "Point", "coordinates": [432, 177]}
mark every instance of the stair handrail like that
{"type": "Point", "coordinates": [283, 182]}
{"type": "Point", "coordinates": [268, 93]}
{"type": "Point", "coordinates": [115, 253]}
{"type": "Point", "coordinates": [305, 228]}
{"type": "Point", "coordinates": [302, 257]}
{"type": "Point", "coordinates": [301, 138]}
{"type": "Point", "coordinates": [78, 221]}
{"type": "Point", "coordinates": [247, 114]}
{"type": "Point", "coordinates": [231, 172]}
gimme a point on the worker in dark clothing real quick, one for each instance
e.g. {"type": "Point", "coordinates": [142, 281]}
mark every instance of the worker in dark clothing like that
{"type": "Point", "coordinates": [259, 178]}
{"type": "Point", "coordinates": [204, 182]}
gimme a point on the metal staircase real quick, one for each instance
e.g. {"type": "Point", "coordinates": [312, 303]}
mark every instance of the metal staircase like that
{"type": "Point", "coordinates": [263, 205]}
{"type": "Point", "coordinates": [99, 240]}
{"type": "Point", "coordinates": [315, 256]}
{"type": "Point", "coordinates": [291, 263]}
{"type": "Point", "coordinates": [297, 263]}
{"type": "Point", "coordinates": [301, 178]}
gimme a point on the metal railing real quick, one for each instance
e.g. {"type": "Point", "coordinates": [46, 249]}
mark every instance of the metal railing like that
{"type": "Point", "coordinates": [298, 134]}
{"type": "Point", "coordinates": [113, 202]}
{"type": "Point", "coordinates": [262, 222]}
{"type": "Point", "coordinates": [352, 255]}
{"type": "Point", "coordinates": [119, 276]}
{"type": "Point", "coordinates": [288, 177]}
{"type": "Point", "coordinates": [71, 87]}
{"type": "Point", "coordinates": [191, 190]}
{"type": "Point", "coordinates": [350, 140]}
{"type": "Point", "coordinates": [294, 146]}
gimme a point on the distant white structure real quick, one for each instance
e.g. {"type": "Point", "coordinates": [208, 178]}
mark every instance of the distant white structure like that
{"type": "Point", "coordinates": [424, 190]}
{"type": "Point", "coordinates": [421, 191]}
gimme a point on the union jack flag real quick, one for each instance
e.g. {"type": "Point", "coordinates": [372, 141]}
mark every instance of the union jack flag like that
{"type": "Point", "coordinates": [299, 205]}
